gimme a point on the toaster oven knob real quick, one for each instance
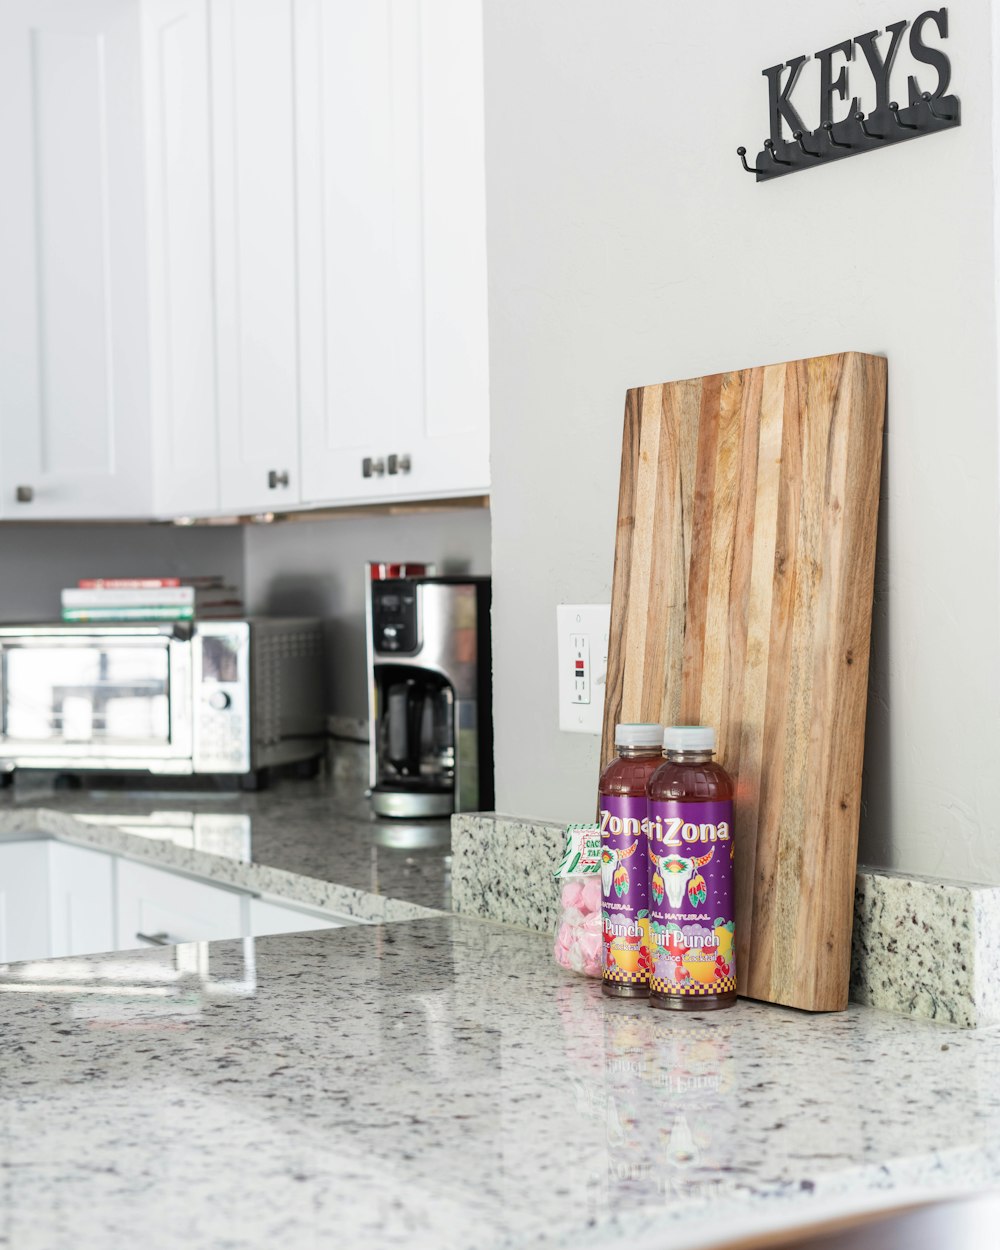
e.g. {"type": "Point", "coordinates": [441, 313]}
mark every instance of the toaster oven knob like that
{"type": "Point", "coordinates": [219, 700]}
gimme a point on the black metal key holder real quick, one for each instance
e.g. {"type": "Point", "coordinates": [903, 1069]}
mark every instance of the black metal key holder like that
{"type": "Point", "coordinates": [835, 141]}
{"type": "Point", "coordinates": [887, 123]}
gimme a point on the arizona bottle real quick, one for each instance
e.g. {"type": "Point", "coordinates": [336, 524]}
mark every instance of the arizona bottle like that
{"type": "Point", "coordinates": [691, 875]}
{"type": "Point", "coordinates": [624, 866]}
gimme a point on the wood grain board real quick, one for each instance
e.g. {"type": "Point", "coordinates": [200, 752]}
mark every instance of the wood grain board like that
{"type": "Point", "coordinates": [742, 598]}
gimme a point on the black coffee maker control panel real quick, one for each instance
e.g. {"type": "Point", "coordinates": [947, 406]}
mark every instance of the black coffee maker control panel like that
{"type": "Point", "coordinates": [394, 617]}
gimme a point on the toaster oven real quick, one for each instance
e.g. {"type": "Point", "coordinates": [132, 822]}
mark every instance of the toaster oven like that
{"type": "Point", "coordinates": [214, 696]}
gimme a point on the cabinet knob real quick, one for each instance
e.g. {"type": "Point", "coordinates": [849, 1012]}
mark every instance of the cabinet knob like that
{"type": "Point", "coordinates": [372, 468]}
{"type": "Point", "coordinates": [25, 494]}
{"type": "Point", "coordinates": [399, 464]}
{"type": "Point", "coordinates": [276, 479]}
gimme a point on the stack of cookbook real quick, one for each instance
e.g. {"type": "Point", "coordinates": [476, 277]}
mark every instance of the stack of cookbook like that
{"type": "Point", "coordinates": [150, 599]}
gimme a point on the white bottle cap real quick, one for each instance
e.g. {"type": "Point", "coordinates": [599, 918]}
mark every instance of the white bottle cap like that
{"type": "Point", "coordinates": [689, 738]}
{"type": "Point", "coordinates": [638, 735]}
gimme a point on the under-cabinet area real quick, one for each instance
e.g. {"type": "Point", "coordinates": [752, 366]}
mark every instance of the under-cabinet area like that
{"type": "Point", "coordinates": [58, 899]}
{"type": "Point", "coordinates": [244, 255]}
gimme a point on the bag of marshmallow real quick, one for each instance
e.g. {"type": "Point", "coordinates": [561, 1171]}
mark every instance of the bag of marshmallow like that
{"type": "Point", "coordinates": [578, 929]}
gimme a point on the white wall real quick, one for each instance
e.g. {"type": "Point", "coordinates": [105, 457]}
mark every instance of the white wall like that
{"type": "Point", "coordinates": [317, 568]}
{"type": "Point", "coordinates": [628, 247]}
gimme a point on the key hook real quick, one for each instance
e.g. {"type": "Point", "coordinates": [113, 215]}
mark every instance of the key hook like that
{"type": "Point", "coordinates": [741, 152]}
{"type": "Point", "coordinates": [797, 136]}
{"type": "Point", "coordinates": [860, 119]}
{"type": "Point", "coordinates": [928, 99]}
{"type": "Point", "coordinates": [769, 147]}
{"type": "Point", "coordinates": [894, 107]}
{"type": "Point", "coordinates": [834, 141]}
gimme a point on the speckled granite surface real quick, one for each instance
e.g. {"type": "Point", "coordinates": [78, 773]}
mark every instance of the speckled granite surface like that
{"type": "Point", "coordinates": [441, 1084]}
{"type": "Point", "coordinates": [312, 842]}
{"type": "Point", "coordinates": [502, 868]}
{"type": "Point", "coordinates": [920, 947]}
{"type": "Point", "coordinates": [913, 947]}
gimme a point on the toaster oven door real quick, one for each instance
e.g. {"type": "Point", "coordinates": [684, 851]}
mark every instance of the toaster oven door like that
{"type": "Point", "coordinates": [96, 697]}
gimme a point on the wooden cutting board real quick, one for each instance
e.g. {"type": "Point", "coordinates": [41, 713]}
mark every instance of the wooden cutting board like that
{"type": "Point", "coordinates": [742, 598]}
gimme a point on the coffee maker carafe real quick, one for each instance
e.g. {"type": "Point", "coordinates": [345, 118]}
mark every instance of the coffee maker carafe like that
{"type": "Point", "coordinates": [429, 695]}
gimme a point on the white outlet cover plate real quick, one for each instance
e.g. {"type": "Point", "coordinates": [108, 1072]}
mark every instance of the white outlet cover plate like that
{"type": "Point", "coordinates": [582, 630]}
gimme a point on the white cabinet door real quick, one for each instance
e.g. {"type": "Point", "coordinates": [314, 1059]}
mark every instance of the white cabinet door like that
{"type": "Point", "coordinates": [268, 918]}
{"type": "Point", "coordinates": [392, 244]}
{"type": "Point", "coordinates": [448, 439]}
{"type": "Point", "coordinates": [74, 432]}
{"type": "Point", "coordinates": [254, 163]}
{"type": "Point", "coordinates": [354, 368]}
{"type": "Point", "coordinates": [157, 907]}
{"type": "Point", "coordinates": [179, 219]}
{"type": "Point", "coordinates": [81, 895]}
{"type": "Point", "coordinates": [24, 901]}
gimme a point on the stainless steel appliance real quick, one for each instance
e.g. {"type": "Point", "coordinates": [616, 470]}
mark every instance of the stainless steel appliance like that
{"type": "Point", "coordinates": [430, 695]}
{"type": "Point", "coordinates": [220, 696]}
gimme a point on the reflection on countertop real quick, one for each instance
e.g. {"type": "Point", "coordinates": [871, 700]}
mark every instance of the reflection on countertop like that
{"type": "Point", "coordinates": [311, 841]}
{"type": "Point", "coordinates": [443, 1084]}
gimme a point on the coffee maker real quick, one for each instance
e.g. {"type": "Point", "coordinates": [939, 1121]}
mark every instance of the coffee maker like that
{"type": "Point", "coordinates": [429, 695]}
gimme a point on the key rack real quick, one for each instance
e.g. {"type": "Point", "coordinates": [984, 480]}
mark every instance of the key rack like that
{"type": "Point", "coordinates": [835, 141]}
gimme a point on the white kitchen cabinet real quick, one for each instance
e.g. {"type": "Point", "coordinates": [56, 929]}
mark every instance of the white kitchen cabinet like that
{"type": "Point", "coordinates": [449, 437]}
{"type": "Point", "coordinates": [254, 146]}
{"type": "Point", "coordinates": [55, 899]}
{"type": "Point", "coordinates": [81, 898]}
{"type": "Point", "coordinates": [73, 358]}
{"type": "Point", "coordinates": [182, 373]}
{"type": "Point", "coordinates": [156, 907]}
{"type": "Point", "coordinates": [243, 255]}
{"type": "Point", "coordinates": [392, 245]}
{"type": "Point", "coordinates": [267, 917]}
{"type": "Point", "coordinates": [106, 371]}
{"type": "Point", "coordinates": [24, 901]}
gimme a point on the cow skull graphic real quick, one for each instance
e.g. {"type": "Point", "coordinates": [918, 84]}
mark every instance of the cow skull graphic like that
{"type": "Point", "coordinates": [613, 870]}
{"type": "Point", "coordinates": [674, 872]}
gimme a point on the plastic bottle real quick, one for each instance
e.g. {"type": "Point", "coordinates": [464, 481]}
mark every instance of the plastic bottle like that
{"type": "Point", "coordinates": [625, 861]}
{"type": "Point", "coordinates": [691, 875]}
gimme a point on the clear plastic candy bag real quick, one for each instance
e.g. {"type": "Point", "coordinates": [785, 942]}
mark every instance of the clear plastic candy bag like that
{"type": "Point", "coordinates": [578, 937]}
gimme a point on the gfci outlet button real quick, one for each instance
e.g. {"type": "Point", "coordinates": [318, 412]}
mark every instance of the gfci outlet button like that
{"type": "Point", "coordinates": [581, 668]}
{"type": "Point", "coordinates": [582, 636]}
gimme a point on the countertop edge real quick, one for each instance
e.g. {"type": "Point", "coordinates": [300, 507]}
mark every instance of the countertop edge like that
{"type": "Point", "coordinates": [255, 878]}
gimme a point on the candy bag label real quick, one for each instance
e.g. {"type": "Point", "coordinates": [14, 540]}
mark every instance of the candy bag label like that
{"type": "Point", "coordinates": [582, 856]}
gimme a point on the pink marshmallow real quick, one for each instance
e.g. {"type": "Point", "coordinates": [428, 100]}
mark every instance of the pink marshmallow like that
{"type": "Point", "coordinates": [591, 898]}
{"type": "Point", "coordinates": [572, 895]}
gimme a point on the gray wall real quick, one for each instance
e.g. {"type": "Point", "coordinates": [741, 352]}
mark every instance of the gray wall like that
{"type": "Point", "coordinates": [295, 567]}
{"type": "Point", "coordinates": [317, 568]}
{"type": "Point", "coordinates": [37, 561]}
{"type": "Point", "coordinates": [626, 246]}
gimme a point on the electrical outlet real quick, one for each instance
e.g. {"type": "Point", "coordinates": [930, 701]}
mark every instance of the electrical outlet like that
{"type": "Point", "coordinates": [582, 632]}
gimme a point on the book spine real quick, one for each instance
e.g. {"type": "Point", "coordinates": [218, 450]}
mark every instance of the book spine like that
{"type": "Point", "coordinates": [128, 614]}
{"type": "Point", "coordinates": [165, 597]}
{"type": "Point", "coordinates": [127, 583]}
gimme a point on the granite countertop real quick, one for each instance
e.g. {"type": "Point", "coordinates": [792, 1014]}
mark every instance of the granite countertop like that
{"type": "Point", "coordinates": [314, 842]}
{"type": "Point", "coordinates": [435, 1082]}
{"type": "Point", "coordinates": [441, 1083]}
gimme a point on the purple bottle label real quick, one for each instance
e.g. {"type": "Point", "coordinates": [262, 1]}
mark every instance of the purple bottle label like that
{"type": "Point", "coordinates": [692, 926]}
{"type": "Point", "coordinates": [625, 890]}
